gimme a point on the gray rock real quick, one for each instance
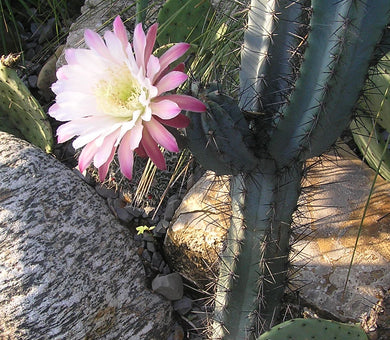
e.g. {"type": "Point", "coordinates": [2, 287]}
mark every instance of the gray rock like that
{"type": "Point", "coordinates": [106, 192]}
{"type": "Point", "coordinates": [69, 270]}
{"type": "Point", "coordinates": [32, 80]}
{"type": "Point", "coordinates": [95, 14]}
{"type": "Point", "coordinates": [172, 204]}
{"type": "Point", "coordinates": [156, 260]}
{"type": "Point", "coordinates": [151, 247]}
{"type": "Point", "coordinates": [136, 212]}
{"type": "Point", "coordinates": [170, 286]}
{"type": "Point", "coordinates": [183, 306]}
{"type": "Point", "coordinates": [147, 255]}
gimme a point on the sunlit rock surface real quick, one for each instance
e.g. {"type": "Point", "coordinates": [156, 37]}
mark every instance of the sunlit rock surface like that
{"type": "Point", "coordinates": [68, 269]}
{"type": "Point", "coordinates": [331, 211]}
{"type": "Point", "coordinates": [196, 234]}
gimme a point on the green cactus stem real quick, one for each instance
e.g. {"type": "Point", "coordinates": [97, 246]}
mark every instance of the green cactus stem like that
{"type": "Point", "coordinates": [20, 112]}
{"type": "Point", "coordinates": [314, 329]}
{"type": "Point", "coordinates": [254, 264]}
{"type": "Point", "coordinates": [341, 43]}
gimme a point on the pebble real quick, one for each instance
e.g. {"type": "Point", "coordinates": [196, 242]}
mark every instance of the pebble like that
{"type": "Point", "coordinates": [183, 306]}
{"type": "Point", "coordinates": [178, 333]}
{"type": "Point", "coordinates": [146, 255]}
{"type": "Point", "coordinates": [151, 247]}
{"type": "Point", "coordinates": [157, 260]}
{"type": "Point", "coordinates": [136, 212]}
{"type": "Point", "coordinates": [170, 286]}
{"type": "Point", "coordinates": [161, 228]}
{"type": "Point", "coordinates": [172, 204]}
{"type": "Point", "coordinates": [123, 215]}
{"type": "Point", "coordinates": [32, 80]}
{"type": "Point", "coordinates": [106, 192]}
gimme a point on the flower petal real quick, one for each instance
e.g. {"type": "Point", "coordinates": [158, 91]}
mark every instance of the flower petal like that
{"type": "Point", "coordinates": [179, 122]}
{"type": "Point", "coordinates": [125, 155]}
{"type": "Point", "coordinates": [153, 67]}
{"type": "Point", "coordinates": [161, 135]}
{"type": "Point", "coordinates": [150, 41]}
{"type": "Point", "coordinates": [179, 67]}
{"type": "Point", "coordinates": [152, 150]}
{"type": "Point", "coordinates": [139, 43]}
{"type": "Point", "coordinates": [105, 150]}
{"type": "Point", "coordinates": [165, 109]}
{"type": "Point", "coordinates": [115, 47]}
{"type": "Point", "coordinates": [96, 43]}
{"type": "Point", "coordinates": [120, 31]}
{"type": "Point", "coordinates": [174, 53]}
{"type": "Point", "coordinates": [141, 151]}
{"type": "Point", "coordinates": [185, 102]}
{"type": "Point", "coordinates": [103, 169]}
{"type": "Point", "coordinates": [87, 155]}
{"type": "Point", "coordinates": [171, 81]}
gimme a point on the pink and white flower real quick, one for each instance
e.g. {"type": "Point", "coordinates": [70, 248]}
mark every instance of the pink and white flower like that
{"type": "Point", "coordinates": [116, 96]}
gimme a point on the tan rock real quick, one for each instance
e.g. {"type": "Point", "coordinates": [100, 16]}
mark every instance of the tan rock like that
{"type": "Point", "coordinates": [331, 212]}
{"type": "Point", "coordinates": [331, 209]}
{"type": "Point", "coordinates": [195, 236]}
{"type": "Point", "coordinates": [47, 75]}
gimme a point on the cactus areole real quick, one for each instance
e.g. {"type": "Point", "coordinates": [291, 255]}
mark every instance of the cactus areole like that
{"type": "Point", "coordinates": [267, 164]}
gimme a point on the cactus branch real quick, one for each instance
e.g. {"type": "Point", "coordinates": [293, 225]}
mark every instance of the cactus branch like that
{"type": "Point", "coordinates": [342, 40]}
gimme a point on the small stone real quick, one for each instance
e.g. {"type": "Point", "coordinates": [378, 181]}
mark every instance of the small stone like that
{"type": "Point", "coordinates": [32, 80]}
{"type": "Point", "coordinates": [183, 306]}
{"type": "Point", "coordinates": [123, 215]}
{"type": "Point", "coordinates": [147, 256]}
{"type": "Point", "coordinates": [161, 228]}
{"type": "Point", "coordinates": [156, 260]}
{"type": "Point", "coordinates": [151, 247]}
{"type": "Point", "coordinates": [178, 333]}
{"type": "Point", "coordinates": [136, 212]}
{"type": "Point", "coordinates": [166, 270]}
{"type": "Point", "coordinates": [148, 237]}
{"type": "Point", "coordinates": [172, 204]}
{"type": "Point", "coordinates": [106, 192]}
{"type": "Point", "coordinates": [47, 31]}
{"type": "Point", "coordinates": [161, 267]}
{"type": "Point", "coordinates": [170, 286]}
{"type": "Point", "coordinates": [47, 75]}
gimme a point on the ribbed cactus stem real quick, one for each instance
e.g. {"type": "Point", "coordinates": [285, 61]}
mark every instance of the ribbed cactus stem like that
{"type": "Point", "coordinates": [254, 263]}
{"type": "Point", "coordinates": [341, 43]}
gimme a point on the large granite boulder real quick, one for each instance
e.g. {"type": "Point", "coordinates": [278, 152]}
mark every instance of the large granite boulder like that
{"type": "Point", "coordinates": [69, 270]}
{"type": "Point", "coordinates": [330, 212]}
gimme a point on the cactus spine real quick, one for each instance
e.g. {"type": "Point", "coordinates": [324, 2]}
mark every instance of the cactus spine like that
{"type": "Point", "coordinates": [267, 163]}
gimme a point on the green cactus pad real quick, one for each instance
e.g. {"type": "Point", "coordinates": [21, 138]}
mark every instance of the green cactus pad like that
{"type": "Point", "coordinates": [20, 112]}
{"type": "Point", "coordinates": [314, 329]}
{"type": "Point", "coordinates": [183, 20]}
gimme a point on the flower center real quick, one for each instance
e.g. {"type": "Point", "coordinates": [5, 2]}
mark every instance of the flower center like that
{"type": "Point", "coordinates": [121, 95]}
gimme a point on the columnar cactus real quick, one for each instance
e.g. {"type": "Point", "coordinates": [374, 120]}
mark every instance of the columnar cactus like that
{"type": "Point", "coordinates": [290, 120]}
